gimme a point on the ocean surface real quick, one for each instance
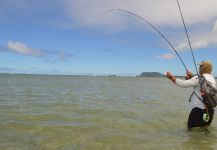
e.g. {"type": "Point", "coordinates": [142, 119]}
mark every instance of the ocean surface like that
{"type": "Point", "coordinates": [41, 112]}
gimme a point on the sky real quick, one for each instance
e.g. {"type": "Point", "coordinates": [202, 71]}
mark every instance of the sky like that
{"type": "Point", "coordinates": [78, 37]}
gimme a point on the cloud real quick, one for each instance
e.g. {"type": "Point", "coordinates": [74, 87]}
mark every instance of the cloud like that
{"type": "Point", "coordinates": [204, 40]}
{"type": "Point", "coordinates": [200, 16]}
{"type": "Point", "coordinates": [158, 12]}
{"type": "Point", "coordinates": [23, 49]}
{"type": "Point", "coordinates": [197, 44]}
{"type": "Point", "coordinates": [214, 29]}
{"type": "Point", "coordinates": [166, 56]}
{"type": "Point", "coordinates": [89, 12]}
{"type": "Point", "coordinates": [48, 55]}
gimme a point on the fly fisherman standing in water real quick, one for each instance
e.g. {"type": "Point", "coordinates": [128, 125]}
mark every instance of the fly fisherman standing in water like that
{"type": "Point", "coordinates": [196, 116]}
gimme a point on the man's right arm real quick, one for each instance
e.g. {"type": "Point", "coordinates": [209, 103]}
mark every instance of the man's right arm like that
{"type": "Point", "coordinates": [194, 81]}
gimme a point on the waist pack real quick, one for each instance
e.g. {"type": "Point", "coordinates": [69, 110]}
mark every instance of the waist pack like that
{"type": "Point", "coordinates": [209, 93]}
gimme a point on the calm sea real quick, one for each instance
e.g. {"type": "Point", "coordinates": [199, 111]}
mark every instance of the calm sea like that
{"type": "Point", "coordinates": [41, 112]}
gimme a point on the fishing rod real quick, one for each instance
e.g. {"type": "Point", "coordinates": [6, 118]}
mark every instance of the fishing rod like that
{"type": "Point", "coordinates": [189, 43]}
{"type": "Point", "coordinates": [151, 25]}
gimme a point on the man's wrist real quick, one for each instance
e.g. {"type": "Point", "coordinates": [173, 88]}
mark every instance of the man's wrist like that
{"type": "Point", "coordinates": [173, 79]}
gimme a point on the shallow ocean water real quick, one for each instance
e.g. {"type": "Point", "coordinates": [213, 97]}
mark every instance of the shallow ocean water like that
{"type": "Point", "coordinates": [41, 112]}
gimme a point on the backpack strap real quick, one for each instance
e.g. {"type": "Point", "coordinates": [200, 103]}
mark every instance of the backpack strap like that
{"type": "Point", "coordinates": [191, 96]}
{"type": "Point", "coordinates": [202, 79]}
{"type": "Point", "coordinates": [196, 95]}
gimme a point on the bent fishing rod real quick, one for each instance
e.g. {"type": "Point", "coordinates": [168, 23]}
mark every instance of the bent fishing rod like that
{"type": "Point", "coordinates": [151, 25]}
{"type": "Point", "coordinates": [186, 32]}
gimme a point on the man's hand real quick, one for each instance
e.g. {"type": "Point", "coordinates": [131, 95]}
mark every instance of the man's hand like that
{"type": "Point", "coordinates": [171, 77]}
{"type": "Point", "coordinates": [189, 75]}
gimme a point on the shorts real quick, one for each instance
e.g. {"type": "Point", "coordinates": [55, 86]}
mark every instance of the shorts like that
{"type": "Point", "coordinates": [195, 118]}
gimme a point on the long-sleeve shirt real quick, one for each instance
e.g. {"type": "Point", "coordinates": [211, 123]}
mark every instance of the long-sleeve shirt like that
{"type": "Point", "coordinates": [195, 99]}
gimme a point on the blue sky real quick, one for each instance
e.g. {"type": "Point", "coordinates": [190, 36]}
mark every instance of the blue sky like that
{"type": "Point", "coordinates": [74, 37]}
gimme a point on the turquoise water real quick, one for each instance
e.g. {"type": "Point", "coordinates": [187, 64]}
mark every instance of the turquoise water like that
{"type": "Point", "coordinates": [40, 112]}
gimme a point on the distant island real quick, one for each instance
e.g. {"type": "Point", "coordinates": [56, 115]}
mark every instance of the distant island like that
{"type": "Point", "coordinates": [151, 74]}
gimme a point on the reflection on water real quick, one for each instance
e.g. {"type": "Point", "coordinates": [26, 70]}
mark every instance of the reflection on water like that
{"type": "Point", "coordinates": [95, 113]}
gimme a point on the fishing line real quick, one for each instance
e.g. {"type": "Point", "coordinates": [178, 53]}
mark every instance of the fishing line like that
{"type": "Point", "coordinates": [189, 43]}
{"type": "Point", "coordinates": [151, 25]}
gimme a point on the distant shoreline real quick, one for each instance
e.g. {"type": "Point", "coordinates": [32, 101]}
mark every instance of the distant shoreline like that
{"type": "Point", "coordinates": [90, 75]}
{"type": "Point", "coordinates": [79, 75]}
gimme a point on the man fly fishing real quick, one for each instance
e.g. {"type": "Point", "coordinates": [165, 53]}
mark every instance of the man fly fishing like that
{"type": "Point", "coordinates": [200, 115]}
{"type": "Point", "coordinates": [204, 96]}
{"type": "Point", "coordinates": [201, 103]}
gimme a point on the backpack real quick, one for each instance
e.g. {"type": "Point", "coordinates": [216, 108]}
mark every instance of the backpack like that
{"type": "Point", "coordinates": [210, 93]}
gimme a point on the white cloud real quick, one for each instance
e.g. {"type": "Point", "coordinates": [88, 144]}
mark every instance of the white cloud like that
{"type": "Point", "coordinates": [51, 56]}
{"type": "Point", "coordinates": [166, 56]}
{"type": "Point", "coordinates": [23, 49]}
{"type": "Point", "coordinates": [164, 12]}
{"type": "Point", "coordinates": [199, 16]}
{"type": "Point", "coordinates": [214, 29]}
{"type": "Point", "coordinates": [203, 40]}
{"type": "Point", "coordinates": [88, 12]}
{"type": "Point", "coordinates": [197, 44]}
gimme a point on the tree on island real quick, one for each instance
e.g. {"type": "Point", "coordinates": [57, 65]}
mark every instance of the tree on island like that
{"type": "Point", "coordinates": [150, 74]}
